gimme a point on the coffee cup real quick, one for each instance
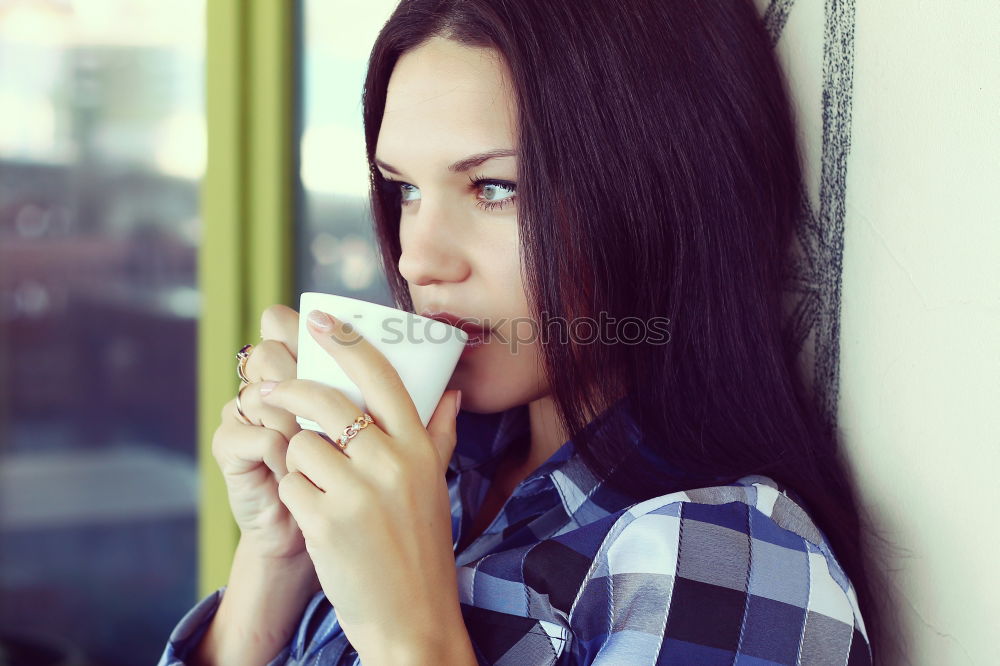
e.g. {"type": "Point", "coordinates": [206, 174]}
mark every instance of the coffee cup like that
{"type": "Point", "coordinates": [423, 351]}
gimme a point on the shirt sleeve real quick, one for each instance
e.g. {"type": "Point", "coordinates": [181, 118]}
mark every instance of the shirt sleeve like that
{"type": "Point", "coordinates": [189, 631]}
{"type": "Point", "coordinates": [702, 583]}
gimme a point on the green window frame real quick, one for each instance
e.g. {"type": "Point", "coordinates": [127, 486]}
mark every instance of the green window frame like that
{"type": "Point", "coordinates": [245, 260]}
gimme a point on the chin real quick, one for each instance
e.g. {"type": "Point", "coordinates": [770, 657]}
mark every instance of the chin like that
{"type": "Point", "coordinates": [490, 398]}
{"type": "Point", "coordinates": [478, 399]}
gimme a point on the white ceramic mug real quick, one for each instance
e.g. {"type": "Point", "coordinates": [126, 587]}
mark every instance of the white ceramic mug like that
{"type": "Point", "coordinates": [423, 351]}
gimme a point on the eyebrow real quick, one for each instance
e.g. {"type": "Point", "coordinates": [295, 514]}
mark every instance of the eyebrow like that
{"type": "Point", "coordinates": [463, 164]}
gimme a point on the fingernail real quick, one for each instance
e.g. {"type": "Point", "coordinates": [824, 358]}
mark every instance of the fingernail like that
{"type": "Point", "coordinates": [458, 402]}
{"type": "Point", "coordinates": [266, 387]}
{"type": "Point", "coordinates": [320, 320]}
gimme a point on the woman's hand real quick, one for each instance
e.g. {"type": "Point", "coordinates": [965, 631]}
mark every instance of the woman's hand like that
{"type": "Point", "coordinates": [252, 457]}
{"type": "Point", "coordinates": [376, 516]}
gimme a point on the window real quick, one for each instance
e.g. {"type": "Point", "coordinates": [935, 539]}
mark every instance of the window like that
{"type": "Point", "coordinates": [101, 152]}
{"type": "Point", "coordinates": [336, 247]}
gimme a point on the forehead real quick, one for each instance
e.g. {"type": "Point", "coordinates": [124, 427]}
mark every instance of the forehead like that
{"type": "Point", "coordinates": [445, 100]}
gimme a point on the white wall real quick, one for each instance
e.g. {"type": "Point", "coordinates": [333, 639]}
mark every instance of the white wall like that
{"type": "Point", "coordinates": [920, 317]}
{"type": "Point", "coordinates": [919, 322]}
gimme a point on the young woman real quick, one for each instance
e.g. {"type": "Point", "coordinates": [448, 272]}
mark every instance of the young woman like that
{"type": "Point", "coordinates": [603, 193]}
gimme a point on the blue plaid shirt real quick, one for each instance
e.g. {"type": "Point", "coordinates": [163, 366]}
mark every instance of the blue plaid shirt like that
{"type": "Point", "coordinates": [573, 572]}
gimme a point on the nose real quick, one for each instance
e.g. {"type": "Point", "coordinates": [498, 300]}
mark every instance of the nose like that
{"type": "Point", "coordinates": [430, 249]}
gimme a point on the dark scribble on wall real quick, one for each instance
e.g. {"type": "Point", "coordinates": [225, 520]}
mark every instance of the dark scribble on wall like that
{"type": "Point", "coordinates": [775, 16]}
{"type": "Point", "coordinates": [813, 279]}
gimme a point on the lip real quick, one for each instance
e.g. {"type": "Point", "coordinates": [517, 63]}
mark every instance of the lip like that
{"type": "Point", "coordinates": [477, 334]}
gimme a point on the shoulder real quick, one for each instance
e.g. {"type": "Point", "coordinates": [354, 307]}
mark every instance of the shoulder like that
{"type": "Point", "coordinates": [723, 570]}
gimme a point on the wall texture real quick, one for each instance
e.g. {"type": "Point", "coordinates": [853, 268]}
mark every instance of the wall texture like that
{"type": "Point", "coordinates": [895, 291]}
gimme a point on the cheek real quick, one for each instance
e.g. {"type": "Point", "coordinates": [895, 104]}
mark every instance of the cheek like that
{"type": "Point", "coordinates": [500, 261]}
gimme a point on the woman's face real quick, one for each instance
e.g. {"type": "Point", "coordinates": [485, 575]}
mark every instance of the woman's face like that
{"type": "Point", "coordinates": [445, 103]}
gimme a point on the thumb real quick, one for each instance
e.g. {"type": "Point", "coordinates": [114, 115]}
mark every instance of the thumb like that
{"type": "Point", "coordinates": [442, 426]}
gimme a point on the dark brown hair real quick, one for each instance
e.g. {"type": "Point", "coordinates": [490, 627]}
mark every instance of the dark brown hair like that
{"type": "Point", "coordinates": [658, 176]}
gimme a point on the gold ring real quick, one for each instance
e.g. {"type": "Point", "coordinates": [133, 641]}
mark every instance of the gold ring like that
{"type": "Point", "coordinates": [351, 431]}
{"type": "Point", "coordinates": [241, 368]}
{"type": "Point", "coordinates": [239, 407]}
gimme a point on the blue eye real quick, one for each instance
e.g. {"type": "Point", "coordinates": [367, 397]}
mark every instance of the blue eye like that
{"type": "Point", "coordinates": [404, 193]}
{"type": "Point", "coordinates": [397, 187]}
{"type": "Point", "coordinates": [494, 188]}
{"type": "Point", "coordinates": [498, 194]}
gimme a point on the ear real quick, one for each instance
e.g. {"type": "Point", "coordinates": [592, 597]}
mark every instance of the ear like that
{"type": "Point", "coordinates": [442, 426]}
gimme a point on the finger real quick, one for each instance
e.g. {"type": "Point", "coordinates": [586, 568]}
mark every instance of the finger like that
{"type": "Point", "coordinates": [261, 414]}
{"type": "Point", "coordinates": [240, 448]}
{"type": "Point", "coordinates": [334, 412]}
{"type": "Point", "coordinates": [280, 322]}
{"type": "Point", "coordinates": [322, 464]}
{"type": "Point", "coordinates": [384, 392]}
{"type": "Point", "coordinates": [442, 426]}
{"type": "Point", "coordinates": [301, 498]}
{"type": "Point", "coordinates": [270, 360]}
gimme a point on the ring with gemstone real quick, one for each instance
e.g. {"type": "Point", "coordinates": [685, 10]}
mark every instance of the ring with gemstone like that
{"type": "Point", "coordinates": [241, 368]}
{"type": "Point", "coordinates": [351, 431]}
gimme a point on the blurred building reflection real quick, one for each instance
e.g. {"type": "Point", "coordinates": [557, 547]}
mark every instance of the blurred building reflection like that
{"type": "Point", "coordinates": [101, 150]}
{"type": "Point", "coordinates": [336, 246]}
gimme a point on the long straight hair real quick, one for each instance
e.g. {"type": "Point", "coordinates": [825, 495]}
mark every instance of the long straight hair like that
{"type": "Point", "coordinates": [658, 176]}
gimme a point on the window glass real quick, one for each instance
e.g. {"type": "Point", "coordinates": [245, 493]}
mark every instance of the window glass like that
{"type": "Point", "coordinates": [101, 151]}
{"type": "Point", "coordinates": [336, 248]}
